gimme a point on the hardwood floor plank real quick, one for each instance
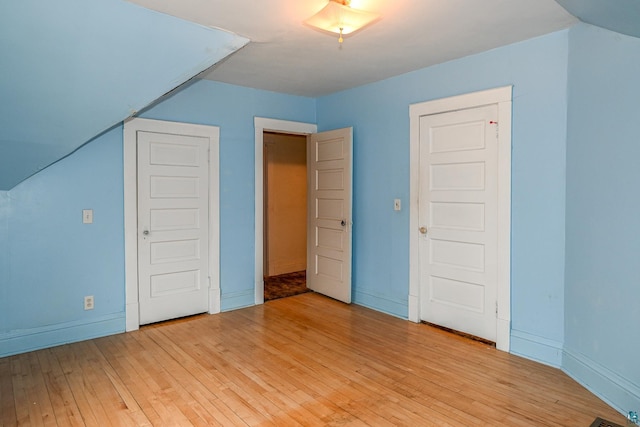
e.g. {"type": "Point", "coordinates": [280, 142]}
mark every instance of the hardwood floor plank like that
{"type": "Point", "coordinates": [310, 368]}
{"type": "Point", "coordinates": [81, 367]}
{"type": "Point", "coordinates": [323, 350]}
{"type": "Point", "coordinates": [371, 390]}
{"type": "Point", "coordinates": [21, 398]}
{"type": "Point", "coordinates": [466, 366]}
{"type": "Point", "coordinates": [306, 360]}
{"type": "Point", "coordinates": [181, 383]}
{"type": "Point", "coordinates": [39, 394]}
{"type": "Point", "coordinates": [251, 388]}
{"type": "Point", "coordinates": [65, 409]}
{"type": "Point", "coordinates": [7, 399]}
{"type": "Point", "coordinates": [136, 368]}
{"type": "Point", "coordinates": [67, 359]}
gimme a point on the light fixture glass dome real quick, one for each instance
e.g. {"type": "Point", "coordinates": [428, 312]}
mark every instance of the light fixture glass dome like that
{"type": "Point", "coordinates": [340, 18]}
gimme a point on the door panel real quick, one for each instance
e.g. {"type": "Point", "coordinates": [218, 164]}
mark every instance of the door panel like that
{"type": "Point", "coordinates": [329, 213]}
{"type": "Point", "coordinates": [173, 225]}
{"type": "Point", "coordinates": [458, 216]}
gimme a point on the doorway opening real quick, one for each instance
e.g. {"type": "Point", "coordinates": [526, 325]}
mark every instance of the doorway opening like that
{"type": "Point", "coordinates": [285, 214]}
{"type": "Point", "coordinates": [261, 126]}
{"type": "Point", "coordinates": [329, 222]}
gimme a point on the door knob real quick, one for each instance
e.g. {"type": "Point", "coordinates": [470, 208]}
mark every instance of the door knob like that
{"type": "Point", "coordinates": [423, 230]}
{"type": "Point", "coordinates": [145, 232]}
{"type": "Point", "coordinates": [343, 223]}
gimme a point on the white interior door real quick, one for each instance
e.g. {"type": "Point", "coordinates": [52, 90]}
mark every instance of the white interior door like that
{"type": "Point", "coordinates": [458, 196]}
{"type": "Point", "coordinates": [329, 165]}
{"type": "Point", "coordinates": [173, 225]}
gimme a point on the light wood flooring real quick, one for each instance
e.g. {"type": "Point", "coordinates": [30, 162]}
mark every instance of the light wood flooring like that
{"type": "Point", "coordinates": [305, 360]}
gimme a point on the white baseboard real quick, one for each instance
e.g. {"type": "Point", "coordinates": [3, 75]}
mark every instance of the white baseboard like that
{"type": "Point", "coordinates": [414, 308]}
{"type": "Point", "coordinates": [133, 316]}
{"type": "Point", "coordinates": [214, 300]}
{"type": "Point", "coordinates": [503, 332]}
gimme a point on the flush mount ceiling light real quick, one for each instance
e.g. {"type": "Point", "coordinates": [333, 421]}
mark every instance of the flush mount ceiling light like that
{"type": "Point", "coordinates": [339, 17]}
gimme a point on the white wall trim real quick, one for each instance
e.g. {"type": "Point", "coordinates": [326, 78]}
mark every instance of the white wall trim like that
{"type": "Point", "coordinates": [263, 124]}
{"type": "Point", "coordinates": [131, 128]}
{"type": "Point", "coordinates": [501, 97]}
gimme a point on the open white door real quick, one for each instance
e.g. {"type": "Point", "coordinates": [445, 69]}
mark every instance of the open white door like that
{"type": "Point", "coordinates": [329, 168]}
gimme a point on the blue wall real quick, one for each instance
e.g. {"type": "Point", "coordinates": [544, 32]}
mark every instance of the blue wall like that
{"type": "Point", "coordinates": [53, 260]}
{"type": "Point", "coordinates": [105, 60]}
{"type": "Point", "coordinates": [233, 108]}
{"type": "Point", "coordinates": [602, 344]}
{"type": "Point", "coordinates": [379, 112]}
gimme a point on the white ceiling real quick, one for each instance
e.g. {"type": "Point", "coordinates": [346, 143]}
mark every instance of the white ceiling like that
{"type": "Point", "coordinates": [286, 56]}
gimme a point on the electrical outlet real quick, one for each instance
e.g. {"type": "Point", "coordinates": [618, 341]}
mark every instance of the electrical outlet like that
{"type": "Point", "coordinates": [88, 302]}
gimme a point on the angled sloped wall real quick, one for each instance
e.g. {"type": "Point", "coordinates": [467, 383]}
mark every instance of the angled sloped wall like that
{"type": "Point", "coordinates": [72, 69]}
{"type": "Point", "coordinates": [622, 16]}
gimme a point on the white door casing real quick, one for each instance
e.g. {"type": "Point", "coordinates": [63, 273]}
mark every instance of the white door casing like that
{"type": "Point", "coordinates": [449, 245]}
{"type": "Point", "coordinates": [273, 125]}
{"type": "Point", "coordinates": [132, 129]}
{"type": "Point", "coordinates": [329, 168]}
{"type": "Point", "coordinates": [173, 225]}
{"type": "Point", "coordinates": [457, 215]}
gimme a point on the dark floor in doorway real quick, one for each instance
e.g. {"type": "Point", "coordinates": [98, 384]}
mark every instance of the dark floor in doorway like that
{"type": "Point", "coordinates": [285, 285]}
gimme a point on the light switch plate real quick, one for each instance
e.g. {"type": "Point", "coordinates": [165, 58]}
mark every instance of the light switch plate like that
{"type": "Point", "coordinates": [397, 205]}
{"type": "Point", "coordinates": [87, 216]}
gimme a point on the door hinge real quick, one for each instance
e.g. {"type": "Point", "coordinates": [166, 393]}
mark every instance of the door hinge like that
{"type": "Point", "coordinates": [496, 308]}
{"type": "Point", "coordinates": [493, 122]}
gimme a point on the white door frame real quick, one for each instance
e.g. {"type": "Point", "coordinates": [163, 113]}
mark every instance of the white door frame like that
{"type": "Point", "coordinates": [501, 97]}
{"type": "Point", "coordinates": [131, 128]}
{"type": "Point", "coordinates": [273, 125]}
